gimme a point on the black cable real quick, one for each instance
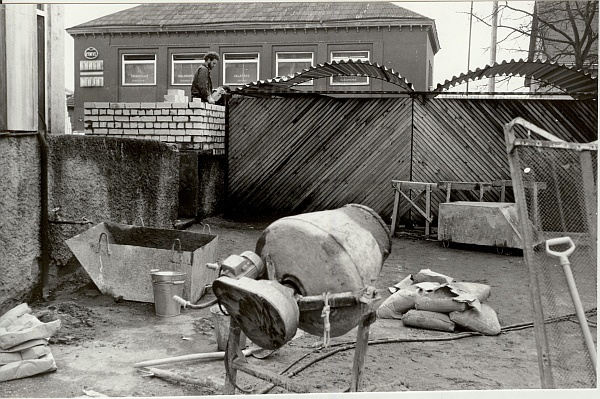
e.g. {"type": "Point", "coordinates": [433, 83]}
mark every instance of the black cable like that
{"type": "Point", "coordinates": [343, 346]}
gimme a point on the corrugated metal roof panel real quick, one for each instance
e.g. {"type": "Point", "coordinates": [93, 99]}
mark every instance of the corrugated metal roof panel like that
{"type": "Point", "coordinates": [571, 80]}
{"type": "Point", "coordinates": [335, 68]}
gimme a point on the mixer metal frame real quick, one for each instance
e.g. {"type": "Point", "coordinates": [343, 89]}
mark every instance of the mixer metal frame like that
{"type": "Point", "coordinates": [366, 299]}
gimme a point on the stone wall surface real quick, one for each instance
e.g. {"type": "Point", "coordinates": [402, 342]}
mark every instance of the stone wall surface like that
{"type": "Point", "coordinates": [20, 212]}
{"type": "Point", "coordinates": [99, 179]}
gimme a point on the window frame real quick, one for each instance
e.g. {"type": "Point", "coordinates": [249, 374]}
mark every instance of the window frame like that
{"type": "Point", "coordinates": [332, 58]}
{"type": "Point", "coordinates": [312, 63]}
{"type": "Point", "coordinates": [173, 62]}
{"type": "Point", "coordinates": [130, 62]}
{"type": "Point", "coordinates": [226, 62]}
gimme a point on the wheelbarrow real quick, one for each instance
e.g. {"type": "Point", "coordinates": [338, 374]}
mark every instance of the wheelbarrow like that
{"type": "Point", "coordinates": [120, 258]}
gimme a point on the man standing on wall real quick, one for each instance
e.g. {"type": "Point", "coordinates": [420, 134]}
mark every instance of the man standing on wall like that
{"type": "Point", "coordinates": [202, 83]}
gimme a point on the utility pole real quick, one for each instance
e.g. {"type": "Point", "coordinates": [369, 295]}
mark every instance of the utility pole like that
{"type": "Point", "coordinates": [492, 80]}
{"type": "Point", "coordinates": [469, 50]}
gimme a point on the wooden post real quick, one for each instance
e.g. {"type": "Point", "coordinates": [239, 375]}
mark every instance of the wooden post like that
{"type": "Point", "coordinates": [360, 351]}
{"type": "Point", "coordinates": [590, 197]}
{"type": "Point", "coordinates": [534, 206]}
{"type": "Point", "coordinates": [395, 212]}
{"type": "Point", "coordinates": [427, 209]}
{"type": "Point", "coordinates": [448, 189]}
{"type": "Point", "coordinates": [422, 190]}
{"type": "Point", "coordinates": [233, 343]}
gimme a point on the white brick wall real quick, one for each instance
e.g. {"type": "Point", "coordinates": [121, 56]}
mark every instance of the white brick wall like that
{"type": "Point", "coordinates": [194, 125]}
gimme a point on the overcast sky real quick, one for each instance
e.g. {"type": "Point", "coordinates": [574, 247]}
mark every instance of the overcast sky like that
{"type": "Point", "coordinates": [452, 23]}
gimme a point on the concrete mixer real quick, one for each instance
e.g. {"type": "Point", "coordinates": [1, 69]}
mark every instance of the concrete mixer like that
{"type": "Point", "coordinates": [313, 271]}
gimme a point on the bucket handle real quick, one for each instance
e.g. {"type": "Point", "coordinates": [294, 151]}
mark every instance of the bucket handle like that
{"type": "Point", "coordinates": [100, 243]}
{"type": "Point", "coordinates": [179, 252]}
{"type": "Point", "coordinates": [204, 226]}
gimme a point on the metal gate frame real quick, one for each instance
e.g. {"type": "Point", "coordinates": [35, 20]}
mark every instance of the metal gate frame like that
{"type": "Point", "coordinates": [528, 236]}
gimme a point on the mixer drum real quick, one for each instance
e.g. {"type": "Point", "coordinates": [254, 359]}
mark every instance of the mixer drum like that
{"type": "Point", "coordinates": [333, 251]}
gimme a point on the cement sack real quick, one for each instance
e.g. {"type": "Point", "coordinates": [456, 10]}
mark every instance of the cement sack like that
{"type": "Point", "coordinates": [27, 368]}
{"type": "Point", "coordinates": [426, 276]}
{"type": "Point", "coordinates": [440, 304]}
{"type": "Point", "coordinates": [30, 353]}
{"type": "Point", "coordinates": [428, 320]}
{"type": "Point", "coordinates": [442, 299]}
{"type": "Point", "coordinates": [399, 303]}
{"type": "Point", "coordinates": [454, 297]}
{"type": "Point", "coordinates": [484, 321]}
{"type": "Point", "coordinates": [26, 328]}
{"type": "Point", "coordinates": [8, 318]}
{"type": "Point", "coordinates": [481, 291]}
{"type": "Point", "coordinates": [26, 345]}
{"type": "Point", "coordinates": [406, 282]}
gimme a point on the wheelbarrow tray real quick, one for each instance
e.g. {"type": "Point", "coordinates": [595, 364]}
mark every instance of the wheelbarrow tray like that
{"type": "Point", "coordinates": [119, 258]}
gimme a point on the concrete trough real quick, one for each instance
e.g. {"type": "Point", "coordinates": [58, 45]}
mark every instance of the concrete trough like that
{"type": "Point", "coordinates": [480, 223]}
{"type": "Point", "coordinates": [119, 258]}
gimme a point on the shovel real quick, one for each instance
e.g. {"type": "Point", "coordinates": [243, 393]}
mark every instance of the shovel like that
{"type": "Point", "coordinates": [566, 264]}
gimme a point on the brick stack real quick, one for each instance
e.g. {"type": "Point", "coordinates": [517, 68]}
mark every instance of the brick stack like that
{"type": "Point", "coordinates": [189, 125]}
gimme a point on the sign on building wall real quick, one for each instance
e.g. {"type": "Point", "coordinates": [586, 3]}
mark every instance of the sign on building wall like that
{"type": "Point", "coordinates": [91, 73]}
{"type": "Point", "coordinates": [91, 53]}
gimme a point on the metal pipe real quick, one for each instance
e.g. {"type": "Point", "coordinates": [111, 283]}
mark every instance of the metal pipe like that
{"type": "Point", "coordinates": [44, 223]}
{"type": "Point", "coordinates": [493, 46]}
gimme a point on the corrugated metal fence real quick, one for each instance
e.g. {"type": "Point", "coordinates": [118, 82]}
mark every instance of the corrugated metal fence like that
{"type": "Point", "coordinates": [293, 155]}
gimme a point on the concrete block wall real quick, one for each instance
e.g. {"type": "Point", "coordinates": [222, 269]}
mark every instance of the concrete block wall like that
{"type": "Point", "coordinates": [191, 125]}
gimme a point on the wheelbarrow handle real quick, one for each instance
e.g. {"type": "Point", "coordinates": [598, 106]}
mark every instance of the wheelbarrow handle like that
{"type": "Point", "coordinates": [557, 241]}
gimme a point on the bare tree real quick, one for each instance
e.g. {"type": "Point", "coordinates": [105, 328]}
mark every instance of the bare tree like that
{"type": "Point", "coordinates": [560, 31]}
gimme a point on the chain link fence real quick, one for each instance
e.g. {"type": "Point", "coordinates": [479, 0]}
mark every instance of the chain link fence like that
{"type": "Point", "coordinates": [555, 192]}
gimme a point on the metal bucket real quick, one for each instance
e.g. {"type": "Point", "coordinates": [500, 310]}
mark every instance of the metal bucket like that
{"type": "Point", "coordinates": [221, 321]}
{"type": "Point", "coordinates": [166, 284]}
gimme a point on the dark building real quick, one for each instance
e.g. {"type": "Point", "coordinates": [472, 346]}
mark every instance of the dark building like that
{"type": "Point", "coordinates": [136, 55]}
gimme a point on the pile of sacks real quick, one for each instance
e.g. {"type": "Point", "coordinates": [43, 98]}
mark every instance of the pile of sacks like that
{"type": "Point", "coordinates": [24, 347]}
{"type": "Point", "coordinates": [437, 302]}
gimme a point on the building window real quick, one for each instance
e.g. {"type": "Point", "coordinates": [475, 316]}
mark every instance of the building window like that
{"type": "Point", "coordinates": [291, 63]}
{"type": "Point", "coordinates": [349, 80]}
{"type": "Point", "coordinates": [240, 68]}
{"type": "Point", "coordinates": [183, 68]}
{"type": "Point", "coordinates": [139, 69]}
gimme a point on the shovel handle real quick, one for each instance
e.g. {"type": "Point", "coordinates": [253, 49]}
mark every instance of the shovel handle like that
{"type": "Point", "coordinates": [196, 356]}
{"type": "Point", "coordinates": [558, 241]}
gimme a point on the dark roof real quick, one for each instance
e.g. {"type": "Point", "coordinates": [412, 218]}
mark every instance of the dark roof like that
{"type": "Point", "coordinates": [160, 15]}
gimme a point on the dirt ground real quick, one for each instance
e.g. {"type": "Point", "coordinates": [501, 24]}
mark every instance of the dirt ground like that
{"type": "Point", "coordinates": [101, 338]}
